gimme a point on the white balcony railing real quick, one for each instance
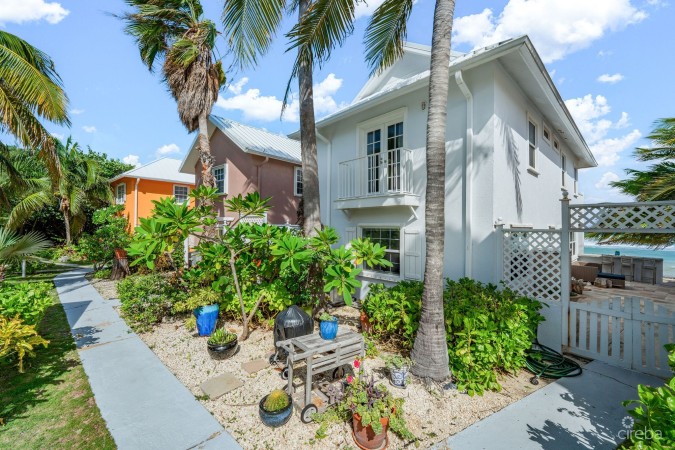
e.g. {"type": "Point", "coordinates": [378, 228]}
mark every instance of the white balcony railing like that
{"type": "Point", "coordinates": [386, 173]}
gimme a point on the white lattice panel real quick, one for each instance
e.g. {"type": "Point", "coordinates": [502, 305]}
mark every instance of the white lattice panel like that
{"type": "Point", "coordinates": [258, 220]}
{"type": "Point", "coordinates": [648, 217]}
{"type": "Point", "coordinates": [532, 263]}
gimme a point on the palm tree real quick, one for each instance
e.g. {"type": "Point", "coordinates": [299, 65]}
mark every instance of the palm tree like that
{"type": "Point", "coordinates": [14, 247]}
{"type": "Point", "coordinates": [175, 33]}
{"type": "Point", "coordinates": [249, 28]}
{"type": "Point", "coordinates": [655, 183]}
{"type": "Point", "coordinates": [79, 185]}
{"type": "Point", "coordinates": [30, 90]}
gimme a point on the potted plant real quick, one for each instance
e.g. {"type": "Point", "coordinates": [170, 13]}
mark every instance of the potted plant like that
{"type": "Point", "coordinates": [399, 367]}
{"type": "Point", "coordinates": [204, 306]}
{"type": "Point", "coordinates": [275, 408]}
{"type": "Point", "coordinates": [328, 326]}
{"type": "Point", "coordinates": [222, 344]}
{"type": "Point", "coordinates": [374, 411]}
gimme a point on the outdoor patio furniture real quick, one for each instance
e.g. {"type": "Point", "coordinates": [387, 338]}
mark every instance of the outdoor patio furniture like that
{"type": "Point", "coordinates": [649, 270]}
{"type": "Point", "coordinates": [584, 272]}
{"type": "Point", "coordinates": [320, 356]}
{"type": "Point", "coordinates": [617, 280]}
{"type": "Point", "coordinates": [627, 268]}
{"type": "Point", "coordinates": [607, 263]}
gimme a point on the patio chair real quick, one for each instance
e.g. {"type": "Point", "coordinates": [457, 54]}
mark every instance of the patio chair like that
{"type": "Point", "coordinates": [584, 272]}
{"type": "Point", "coordinates": [627, 267]}
{"type": "Point", "coordinates": [607, 264]}
{"type": "Point", "coordinates": [649, 271]}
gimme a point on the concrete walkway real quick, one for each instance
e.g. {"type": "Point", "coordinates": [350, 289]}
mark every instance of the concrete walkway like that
{"type": "Point", "coordinates": [143, 404]}
{"type": "Point", "coordinates": [572, 413]}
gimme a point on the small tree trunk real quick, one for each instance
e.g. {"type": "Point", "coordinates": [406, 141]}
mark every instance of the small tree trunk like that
{"type": "Point", "coordinates": [244, 319]}
{"type": "Point", "coordinates": [3, 268]}
{"type": "Point", "coordinates": [430, 351]}
{"type": "Point", "coordinates": [120, 267]}
{"type": "Point", "coordinates": [66, 219]}
{"type": "Point", "coordinates": [310, 166]}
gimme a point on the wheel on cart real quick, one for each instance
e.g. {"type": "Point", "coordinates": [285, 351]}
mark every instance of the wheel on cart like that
{"type": "Point", "coordinates": [273, 359]}
{"type": "Point", "coordinates": [284, 373]}
{"type": "Point", "coordinates": [307, 411]}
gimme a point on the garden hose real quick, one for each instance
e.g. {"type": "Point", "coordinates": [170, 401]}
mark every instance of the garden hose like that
{"type": "Point", "coordinates": [544, 362]}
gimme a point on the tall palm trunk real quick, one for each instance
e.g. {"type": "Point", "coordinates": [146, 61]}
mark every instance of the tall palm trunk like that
{"type": "Point", "coordinates": [310, 166]}
{"type": "Point", "coordinates": [430, 351]}
{"type": "Point", "coordinates": [65, 210]}
{"type": "Point", "coordinates": [205, 156]}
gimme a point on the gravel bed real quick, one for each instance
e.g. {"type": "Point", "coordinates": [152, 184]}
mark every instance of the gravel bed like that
{"type": "Point", "coordinates": [432, 413]}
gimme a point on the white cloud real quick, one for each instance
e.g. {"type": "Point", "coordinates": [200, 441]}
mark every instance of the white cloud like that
{"type": "Point", "coordinates": [267, 108]}
{"type": "Point", "coordinates": [557, 28]}
{"type": "Point", "coordinates": [76, 111]}
{"type": "Point", "coordinates": [89, 129]}
{"type": "Point", "coordinates": [134, 160]}
{"type": "Point", "coordinates": [58, 136]}
{"type": "Point", "coordinates": [20, 11]}
{"type": "Point", "coordinates": [168, 149]}
{"type": "Point", "coordinates": [605, 179]}
{"type": "Point", "coordinates": [589, 114]}
{"type": "Point", "coordinates": [611, 79]}
{"type": "Point", "coordinates": [364, 9]}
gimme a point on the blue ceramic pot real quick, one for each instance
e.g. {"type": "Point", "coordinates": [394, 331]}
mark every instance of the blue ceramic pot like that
{"type": "Point", "coordinates": [328, 329]}
{"type": "Point", "coordinates": [275, 419]}
{"type": "Point", "coordinates": [207, 316]}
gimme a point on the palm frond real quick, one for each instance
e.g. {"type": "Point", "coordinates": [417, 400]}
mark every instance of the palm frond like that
{"type": "Point", "coordinates": [13, 246]}
{"type": "Point", "coordinates": [250, 26]}
{"type": "Point", "coordinates": [24, 210]}
{"type": "Point", "coordinates": [386, 33]}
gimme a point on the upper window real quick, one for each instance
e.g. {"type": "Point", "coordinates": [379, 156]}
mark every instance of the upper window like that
{"type": "Point", "coordinates": [297, 182]}
{"type": "Point", "coordinates": [576, 180]}
{"type": "Point", "coordinates": [532, 141]}
{"type": "Point", "coordinates": [547, 135]}
{"type": "Point", "coordinates": [563, 165]}
{"type": "Point", "coordinates": [121, 194]}
{"type": "Point", "coordinates": [180, 194]}
{"type": "Point", "coordinates": [390, 238]}
{"type": "Point", "coordinates": [219, 174]}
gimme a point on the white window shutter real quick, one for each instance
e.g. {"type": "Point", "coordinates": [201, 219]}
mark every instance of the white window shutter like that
{"type": "Point", "coordinates": [412, 256]}
{"type": "Point", "coordinates": [350, 234]}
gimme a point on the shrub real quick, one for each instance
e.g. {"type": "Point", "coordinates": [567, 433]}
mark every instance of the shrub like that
{"type": "Point", "coordinates": [147, 299]}
{"type": "Point", "coordinates": [103, 273]}
{"type": "Point", "coordinates": [111, 233]}
{"type": "Point", "coordinates": [18, 340]}
{"type": "Point", "coordinates": [488, 329]}
{"type": "Point", "coordinates": [28, 301]}
{"type": "Point", "coordinates": [654, 413]}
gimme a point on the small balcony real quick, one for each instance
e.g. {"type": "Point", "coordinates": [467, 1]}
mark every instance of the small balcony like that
{"type": "Point", "coordinates": [376, 180]}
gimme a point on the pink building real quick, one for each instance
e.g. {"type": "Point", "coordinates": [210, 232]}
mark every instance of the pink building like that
{"type": "Point", "coordinates": [248, 159]}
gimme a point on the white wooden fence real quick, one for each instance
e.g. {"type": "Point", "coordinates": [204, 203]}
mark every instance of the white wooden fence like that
{"type": "Point", "coordinates": [626, 331]}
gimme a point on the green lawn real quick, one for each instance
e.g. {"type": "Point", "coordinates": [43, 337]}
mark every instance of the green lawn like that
{"type": "Point", "coordinates": [50, 406]}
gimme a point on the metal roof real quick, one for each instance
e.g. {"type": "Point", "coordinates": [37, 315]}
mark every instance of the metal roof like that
{"type": "Point", "coordinates": [163, 169]}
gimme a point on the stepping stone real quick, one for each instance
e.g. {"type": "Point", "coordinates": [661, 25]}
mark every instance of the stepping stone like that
{"type": "Point", "coordinates": [220, 385]}
{"type": "Point", "coordinates": [254, 366]}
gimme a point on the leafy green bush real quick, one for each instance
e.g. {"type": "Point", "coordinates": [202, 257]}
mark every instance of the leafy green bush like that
{"type": "Point", "coordinates": [654, 413]}
{"type": "Point", "coordinates": [111, 233]}
{"type": "Point", "coordinates": [103, 273]}
{"type": "Point", "coordinates": [18, 340]}
{"type": "Point", "coordinates": [28, 301]}
{"type": "Point", "coordinates": [488, 329]}
{"type": "Point", "coordinates": [147, 299]}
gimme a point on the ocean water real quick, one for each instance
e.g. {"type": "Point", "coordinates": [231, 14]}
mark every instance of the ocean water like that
{"type": "Point", "coordinates": [668, 254]}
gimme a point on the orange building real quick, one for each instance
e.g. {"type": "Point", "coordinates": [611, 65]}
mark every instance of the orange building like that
{"type": "Point", "coordinates": [137, 188]}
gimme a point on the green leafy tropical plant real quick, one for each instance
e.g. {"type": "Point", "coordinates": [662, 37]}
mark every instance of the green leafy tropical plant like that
{"type": "Point", "coordinates": [175, 34]}
{"type": "Point", "coordinates": [18, 340]}
{"type": "Point", "coordinates": [110, 233]}
{"type": "Point", "coordinates": [14, 247]}
{"type": "Point", "coordinates": [30, 90]}
{"type": "Point", "coordinates": [27, 301]}
{"type": "Point", "coordinates": [654, 412]}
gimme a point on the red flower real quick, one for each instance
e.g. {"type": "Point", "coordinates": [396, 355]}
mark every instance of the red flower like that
{"type": "Point", "coordinates": [357, 363]}
{"type": "Point", "coordinates": [350, 379]}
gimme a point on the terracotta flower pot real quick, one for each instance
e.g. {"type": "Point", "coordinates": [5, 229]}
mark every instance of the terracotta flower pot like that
{"type": "Point", "coordinates": [366, 326]}
{"type": "Point", "coordinates": [366, 438]}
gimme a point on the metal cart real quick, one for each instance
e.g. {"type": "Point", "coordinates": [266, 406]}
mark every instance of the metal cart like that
{"type": "Point", "coordinates": [320, 356]}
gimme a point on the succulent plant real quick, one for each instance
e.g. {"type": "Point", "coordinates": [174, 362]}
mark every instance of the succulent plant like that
{"type": "Point", "coordinates": [221, 337]}
{"type": "Point", "coordinates": [325, 317]}
{"type": "Point", "coordinates": [276, 401]}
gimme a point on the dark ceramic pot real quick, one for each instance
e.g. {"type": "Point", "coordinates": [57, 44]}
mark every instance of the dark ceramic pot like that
{"type": "Point", "coordinates": [222, 351]}
{"type": "Point", "coordinates": [277, 418]}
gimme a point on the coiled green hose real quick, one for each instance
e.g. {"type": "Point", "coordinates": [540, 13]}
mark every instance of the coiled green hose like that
{"type": "Point", "coordinates": [544, 362]}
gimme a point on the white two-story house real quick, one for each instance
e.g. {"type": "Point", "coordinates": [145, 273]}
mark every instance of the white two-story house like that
{"type": "Point", "coordinates": [512, 149]}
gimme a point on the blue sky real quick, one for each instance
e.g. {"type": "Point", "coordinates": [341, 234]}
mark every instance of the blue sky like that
{"type": "Point", "coordinates": [610, 59]}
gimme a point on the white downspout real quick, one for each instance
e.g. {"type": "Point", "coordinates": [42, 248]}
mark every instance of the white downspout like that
{"type": "Point", "coordinates": [329, 144]}
{"type": "Point", "coordinates": [468, 170]}
{"type": "Point", "coordinates": [138, 180]}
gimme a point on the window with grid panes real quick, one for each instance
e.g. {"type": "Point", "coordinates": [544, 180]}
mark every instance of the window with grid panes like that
{"type": "Point", "coordinates": [390, 238]}
{"type": "Point", "coordinates": [180, 194]}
